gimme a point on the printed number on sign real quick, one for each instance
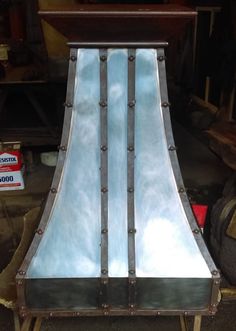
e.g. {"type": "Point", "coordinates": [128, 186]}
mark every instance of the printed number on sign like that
{"type": "Point", "coordinates": [6, 179]}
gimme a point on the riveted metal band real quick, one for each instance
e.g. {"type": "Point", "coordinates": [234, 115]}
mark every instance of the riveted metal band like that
{"type": "Point", "coordinates": [130, 175]}
{"type": "Point", "coordinates": [104, 177]}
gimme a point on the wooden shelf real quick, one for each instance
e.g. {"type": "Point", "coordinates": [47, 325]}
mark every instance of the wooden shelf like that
{"type": "Point", "coordinates": [223, 141]}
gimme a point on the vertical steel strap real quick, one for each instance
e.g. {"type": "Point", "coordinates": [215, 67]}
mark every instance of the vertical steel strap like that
{"type": "Point", "coordinates": [130, 176]}
{"type": "Point", "coordinates": [104, 179]}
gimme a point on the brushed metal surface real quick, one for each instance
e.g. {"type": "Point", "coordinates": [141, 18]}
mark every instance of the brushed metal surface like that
{"type": "Point", "coordinates": [166, 294]}
{"type": "Point", "coordinates": [117, 164]}
{"type": "Point", "coordinates": [70, 246]}
{"type": "Point", "coordinates": [165, 246]}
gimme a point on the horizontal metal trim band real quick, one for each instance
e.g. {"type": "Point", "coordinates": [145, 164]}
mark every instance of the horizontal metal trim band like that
{"type": "Point", "coordinates": [117, 312]}
{"type": "Point", "coordinates": [119, 13]}
{"type": "Point", "coordinates": [120, 44]}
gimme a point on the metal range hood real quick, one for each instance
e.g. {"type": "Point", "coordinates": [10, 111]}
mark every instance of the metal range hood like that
{"type": "Point", "coordinates": [117, 236]}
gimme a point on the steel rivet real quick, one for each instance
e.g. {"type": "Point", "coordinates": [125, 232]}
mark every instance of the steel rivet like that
{"type": "Point", "coordinates": [158, 313]}
{"type": "Point", "coordinates": [217, 282]}
{"type": "Point", "coordinates": [105, 313]}
{"type": "Point", "coordinates": [104, 281]}
{"type": "Point", "coordinates": [131, 58]}
{"type": "Point", "coordinates": [103, 104]}
{"type": "Point", "coordinates": [165, 104]}
{"type": "Point", "coordinates": [181, 190]}
{"type": "Point", "coordinates": [105, 305]}
{"type": "Point", "coordinates": [172, 148]}
{"type": "Point", "coordinates": [185, 313]}
{"type": "Point", "coordinates": [161, 58]}
{"type": "Point", "coordinates": [104, 148]}
{"type": "Point", "coordinates": [104, 271]}
{"type": "Point", "coordinates": [196, 231]}
{"type": "Point", "coordinates": [62, 148]}
{"type": "Point", "coordinates": [131, 148]}
{"type": "Point", "coordinates": [21, 272]}
{"type": "Point", "coordinates": [130, 190]}
{"type": "Point", "coordinates": [73, 58]}
{"type": "Point", "coordinates": [104, 230]}
{"type": "Point", "coordinates": [132, 281]}
{"type": "Point", "coordinates": [68, 105]}
{"type": "Point", "coordinates": [132, 272]}
{"type": "Point", "coordinates": [39, 232]}
{"type": "Point", "coordinates": [53, 190]}
{"type": "Point", "coordinates": [132, 313]}
{"type": "Point", "coordinates": [214, 272]}
{"type": "Point", "coordinates": [19, 282]}
{"type": "Point", "coordinates": [103, 58]}
{"type": "Point", "coordinates": [131, 305]}
{"type": "Point", "coordinates": [77, 313]}
{"type": "Point", "coordinates": [132, 230]}
{"type": "Point", "coordinates": [50, 314]}
{"type": "Point", "coordinates": [131, 104]}
{"type": "Point", "coordinates": [104, 190]}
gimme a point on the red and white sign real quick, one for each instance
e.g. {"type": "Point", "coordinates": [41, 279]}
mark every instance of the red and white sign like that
{"type": "Point", "coordinates": [10, 161]}
{"type": "Point", "coordinates": [11, 177]}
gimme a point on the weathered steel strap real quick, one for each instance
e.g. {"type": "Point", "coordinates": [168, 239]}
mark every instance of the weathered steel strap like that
{"type": "Point", "coordinates": [104, 178]}
{"type": "Point", "coordinates": [130, 175]}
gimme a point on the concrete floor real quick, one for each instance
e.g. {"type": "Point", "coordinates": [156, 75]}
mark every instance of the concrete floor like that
{"type": "Point", "coordinates": [200, 169]}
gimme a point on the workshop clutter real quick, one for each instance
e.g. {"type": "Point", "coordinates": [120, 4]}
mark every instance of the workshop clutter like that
{"type": "Point", "coordinates": [200, 213]}
{"type": "Point", "coordinates": [11, 167]}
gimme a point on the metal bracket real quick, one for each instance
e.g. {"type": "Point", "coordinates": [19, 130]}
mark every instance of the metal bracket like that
{"type": "Point", "coordinates": [196, 323]}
